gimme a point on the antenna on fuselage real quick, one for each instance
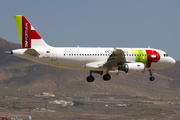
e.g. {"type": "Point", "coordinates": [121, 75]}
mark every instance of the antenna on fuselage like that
{"type": "Point", "coordinates": [148, 47]}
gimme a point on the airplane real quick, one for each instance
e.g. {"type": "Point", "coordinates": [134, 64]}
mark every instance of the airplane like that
{"type": "Point", "coordinates": [107, 62]}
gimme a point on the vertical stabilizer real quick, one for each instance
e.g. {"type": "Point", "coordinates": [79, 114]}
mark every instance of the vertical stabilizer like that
{"type": "Point", "coordinates": [29, 38]}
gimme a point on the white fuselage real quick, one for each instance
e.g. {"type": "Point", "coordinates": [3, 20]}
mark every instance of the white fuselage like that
{"type": "Point", "coordinates": [90, 58]}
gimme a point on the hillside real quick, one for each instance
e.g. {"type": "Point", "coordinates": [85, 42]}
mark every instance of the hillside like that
{"type": "Point", "coordinates": [32, 78]}
{"type": "Point", "coordinates": [6, 46]}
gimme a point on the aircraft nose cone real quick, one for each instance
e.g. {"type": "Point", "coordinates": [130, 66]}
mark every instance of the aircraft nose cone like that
{"type": "Point", "coordinates": [172, 61]}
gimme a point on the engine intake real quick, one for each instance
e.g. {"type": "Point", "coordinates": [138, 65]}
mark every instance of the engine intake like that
{"type": "Point", "coordinates": [133, 68]}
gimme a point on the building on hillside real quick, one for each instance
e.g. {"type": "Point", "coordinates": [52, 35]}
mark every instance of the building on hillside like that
{"type": "Point", "coordinates": [62, 102]}
{"type": "Point", "coordinates": [45, 94]}
{"type": "Point", "coordinates": [16, 118]}
{"type": "Point", "coordinates": [121, 105]}
{"type": "Point", "coordinates": [3, 118]}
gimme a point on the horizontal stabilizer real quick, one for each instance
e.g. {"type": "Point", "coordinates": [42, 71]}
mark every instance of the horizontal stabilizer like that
{"type": "Point", "coordinates": [32, 52]}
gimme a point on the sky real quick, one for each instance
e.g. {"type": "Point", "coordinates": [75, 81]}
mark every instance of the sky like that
{"type": "Point", "coordinates": [98, 23]}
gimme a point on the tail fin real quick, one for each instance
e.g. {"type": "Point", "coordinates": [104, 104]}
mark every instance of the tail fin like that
{"type": "Point", "coordinates": [28, 36]}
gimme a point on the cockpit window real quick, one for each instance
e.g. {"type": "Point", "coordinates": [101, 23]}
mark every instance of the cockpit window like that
{"type": "Point", "coordinates": [165, 55]}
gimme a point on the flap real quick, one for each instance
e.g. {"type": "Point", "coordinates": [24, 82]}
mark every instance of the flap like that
{"type": "Point", "coordinates": [94, 65]}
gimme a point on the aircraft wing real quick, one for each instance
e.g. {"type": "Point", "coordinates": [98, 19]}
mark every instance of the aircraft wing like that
{"type": "Point", "coordinates": [116, 57]}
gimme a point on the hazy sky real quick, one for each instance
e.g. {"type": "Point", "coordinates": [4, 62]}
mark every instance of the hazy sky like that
{"type": "Point", "coordinates": [98, 23]}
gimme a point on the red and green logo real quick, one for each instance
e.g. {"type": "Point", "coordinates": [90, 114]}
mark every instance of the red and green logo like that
{"type": "Point", "coordinates": [146, 56]}
{"type": "Point", "coordinates": [26, 31]}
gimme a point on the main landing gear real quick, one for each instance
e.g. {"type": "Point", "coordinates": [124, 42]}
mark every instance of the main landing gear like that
{"type": "Point", "coordinates": [151, 77]}
{"type": "Point", "coordinates": [90, 78]}
{"type": "Point", "coordinates": [105, 77]}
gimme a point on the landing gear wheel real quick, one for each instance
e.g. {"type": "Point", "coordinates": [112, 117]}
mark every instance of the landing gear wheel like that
{"type": "Point", "coordinates": [106, 77]}
{"type": "Point", "coordinates": [90, 78]}
{"type": "Point", "coordinates": [151, 78]}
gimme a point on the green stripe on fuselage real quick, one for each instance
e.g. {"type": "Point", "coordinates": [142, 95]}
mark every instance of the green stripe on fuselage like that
{"type": "Point", "coordinates": [141, 56]}
{"type": "Point", "coordinates": [18, 19]}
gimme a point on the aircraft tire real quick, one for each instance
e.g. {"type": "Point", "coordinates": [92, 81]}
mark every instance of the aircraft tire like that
{"type": "Point", "coordinates": [106, 77]}
{"type": "Point", "coordinates": [151, 78]}
{"type": "Point", "coordinates": [90, 78]}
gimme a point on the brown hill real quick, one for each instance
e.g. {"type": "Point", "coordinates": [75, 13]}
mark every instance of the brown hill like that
{"type": "Point", "coordinates": [6, 46]}
{"type": "Point", "coordinates": [32, 78]}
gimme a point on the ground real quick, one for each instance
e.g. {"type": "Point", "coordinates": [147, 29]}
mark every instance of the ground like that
{"type": "Point", "coordinates": [96, 107]}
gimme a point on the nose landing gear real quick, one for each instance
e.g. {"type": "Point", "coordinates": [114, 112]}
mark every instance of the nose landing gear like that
{"type": "Point", "coordinates": [151, 77]}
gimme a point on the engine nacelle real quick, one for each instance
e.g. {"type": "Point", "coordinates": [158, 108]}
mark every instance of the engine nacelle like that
{"type": "Point", "coordinates": [133, 68]}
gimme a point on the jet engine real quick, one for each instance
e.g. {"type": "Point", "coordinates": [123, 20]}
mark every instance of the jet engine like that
{"type": "Point", "coordinates": [133, 68]}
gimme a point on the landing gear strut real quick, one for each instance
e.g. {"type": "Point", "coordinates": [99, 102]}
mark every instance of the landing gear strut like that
{"type": "Point", "coordinates": [151, 77]}
{"type": "Point", "coordinates": [90, 78]}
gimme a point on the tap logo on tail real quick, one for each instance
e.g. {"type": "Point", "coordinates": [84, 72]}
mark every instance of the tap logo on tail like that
{"type": "Point", "coordinates": [26, 31]}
